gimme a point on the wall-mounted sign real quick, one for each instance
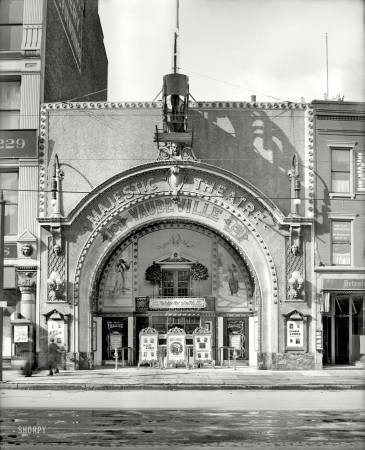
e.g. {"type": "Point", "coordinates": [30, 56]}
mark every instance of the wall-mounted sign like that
{"type": "Point", "coordinates": [341, 284]}
{"type": "Point", "coordinates": [161, 303]}
{"type": "Point", "coordinates": [21, 333]}
{"type": "Point", "coordinates": [359, 171]}
{"type": "Point", "coordinates": [18, 144]}
{"type": "Point", "coordinates": [294, 333]}
{"type": "Point", "coordinates": [341, 231]}
{"type": "Point", "coordinates": [57, 329]}
{"type": "Point", "coordinates": [10, 251]}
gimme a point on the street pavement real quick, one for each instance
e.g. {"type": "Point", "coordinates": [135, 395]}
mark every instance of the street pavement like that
{"type": "Point", "coordinates": [129, 378]}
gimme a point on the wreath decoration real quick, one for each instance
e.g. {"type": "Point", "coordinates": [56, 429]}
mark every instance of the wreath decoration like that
{"type": "Point", "coordinates": [199, 272]}
{"type": "Point", "coordinates": [154, 273]}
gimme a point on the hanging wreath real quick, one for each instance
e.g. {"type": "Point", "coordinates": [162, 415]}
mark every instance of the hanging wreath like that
{"type": "Point", "coordinates": [154, 273]}
{"type": "Point", "coordinates": [199, 272]}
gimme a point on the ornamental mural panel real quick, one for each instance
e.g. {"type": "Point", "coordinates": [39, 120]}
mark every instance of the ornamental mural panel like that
{"type": "Point", "coordinates": [118, 286]}
{"type": "Point", "coordinates": [232, 292]}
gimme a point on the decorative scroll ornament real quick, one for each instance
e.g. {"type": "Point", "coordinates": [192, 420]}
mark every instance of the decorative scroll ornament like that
{"type": "Point", "coordinates": [176, 178]}
{"type": "Point", "coordinates": [173, 151]}
{"type": "Point", "coordinates": [176, 330]}
{"type": "Point", "coordinates": [149, 330]}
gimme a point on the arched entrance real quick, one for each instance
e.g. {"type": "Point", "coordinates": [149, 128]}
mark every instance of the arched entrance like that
{"type": "Point", "coordinates": [120, 215]}
{"type": "Point", "coordinates": [226, 302]}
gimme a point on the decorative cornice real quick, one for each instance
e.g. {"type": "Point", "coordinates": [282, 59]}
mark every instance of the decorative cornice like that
{"type": "Point", "coordinates": [192, 105]}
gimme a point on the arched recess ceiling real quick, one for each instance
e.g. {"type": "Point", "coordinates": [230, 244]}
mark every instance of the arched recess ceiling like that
{"type": "Point", "coordinates": [107, 259]}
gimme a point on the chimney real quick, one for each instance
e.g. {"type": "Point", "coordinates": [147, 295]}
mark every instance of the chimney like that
{"type": "Point", "coordinates": [253, 98]}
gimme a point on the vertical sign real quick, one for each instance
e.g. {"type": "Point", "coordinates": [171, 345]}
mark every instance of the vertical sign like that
{"type": "Point", "coordinates": [71, 15]}
{"type": "Point", "coordinates": [359, 171]}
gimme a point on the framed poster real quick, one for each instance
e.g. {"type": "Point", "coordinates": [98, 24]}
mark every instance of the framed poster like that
{"type": "Point", "coordinates": [203, 352]}
{"type": "Point", "coordinates": [148, 347]}
{"type": "Point", "coordinates": [176, 347]}
{"type": "Point", "coordinates": [21, 333]}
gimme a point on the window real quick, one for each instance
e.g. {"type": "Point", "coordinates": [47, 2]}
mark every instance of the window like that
{"type": "Point", "coordinates": [358, 308]}
{"type": "Point", "coordinates": [11, 28]}
{"type": "Point", "coordinates": [9, 104]}
{"type": "Point", "coordinates": [341, 157]}
{"type": "Point", "coordinates": [341, 242]}
{"type": "Point", "coordinates": [9, 182]}
{"type": "Point", "coordinates": [175, 282]}
{"type": "Point", "coordinates": [340, 171]}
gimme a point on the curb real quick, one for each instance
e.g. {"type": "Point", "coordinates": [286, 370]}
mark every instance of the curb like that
{"type": "Point", "coordinates": [181, 387]}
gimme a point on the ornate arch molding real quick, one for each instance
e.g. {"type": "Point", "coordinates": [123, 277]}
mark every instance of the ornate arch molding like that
{"type": "Point", "coordinates": [109, 255]}
{"type": "Point", "coordinates": [112, 220]}
{"type": "Point", "coordinates": [153, 168]}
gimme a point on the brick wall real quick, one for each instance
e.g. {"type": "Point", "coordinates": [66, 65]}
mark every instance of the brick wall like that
{"type": "Point", "coordinates": [63, 78]}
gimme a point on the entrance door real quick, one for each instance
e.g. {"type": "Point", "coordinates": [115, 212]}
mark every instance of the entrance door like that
{"type": "Point", "coordinates": [342, 340]}
{"type": "Point", "coordinates": [327, 340]}
{"type": "Point", "coordinates": [175, 282]}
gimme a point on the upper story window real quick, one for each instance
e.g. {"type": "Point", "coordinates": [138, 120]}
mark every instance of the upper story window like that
{"type": "Point", "coordinates": [341, 242]}
{"type": "Point", "coordinates": [9, 104]}
{"type": "Point", "coordinates": [342, 168]}
{"type": "Point", "coordinates": [9, 182]}
{"type": "Point", "coordinates": [11, 20]}
{"type": "Point", "coordinates": [340, 171]}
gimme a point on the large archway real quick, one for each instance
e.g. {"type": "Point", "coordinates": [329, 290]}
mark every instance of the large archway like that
{"type": "Point", "coordinates": [144, 201]}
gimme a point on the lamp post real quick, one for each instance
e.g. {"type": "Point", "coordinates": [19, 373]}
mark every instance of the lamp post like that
{"type": "Point", "coordinates": [293, 174]}
{"type": "Point", "coordinates": [2, 233]}
{"type": "Point", "coordinates": [55, 282]}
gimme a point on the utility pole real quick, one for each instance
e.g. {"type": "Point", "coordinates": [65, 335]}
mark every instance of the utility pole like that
{"type": "Point", "coordinates": [2, 300]}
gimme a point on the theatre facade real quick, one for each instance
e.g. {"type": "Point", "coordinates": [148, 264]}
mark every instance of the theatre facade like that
{"type": "Point", "coordinates": [138, 234]}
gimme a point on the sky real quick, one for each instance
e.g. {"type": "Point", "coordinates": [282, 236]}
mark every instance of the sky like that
{"type": "Point", "coordinates": [232, 49]}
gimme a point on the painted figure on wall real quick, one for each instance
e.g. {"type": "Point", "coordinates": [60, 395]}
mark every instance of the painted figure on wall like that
{"type": "Point", "coordinates": [118, 285]}
{"type": "Point", "coordinates": [120, 269]}
{"type": "Point", "coordinates": [233, 279]}
{"type": "Point", "coordinates": [232, 291]}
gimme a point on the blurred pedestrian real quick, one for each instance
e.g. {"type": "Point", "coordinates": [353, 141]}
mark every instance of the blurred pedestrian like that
{"type": "Point", "coordinates": [53, 351]}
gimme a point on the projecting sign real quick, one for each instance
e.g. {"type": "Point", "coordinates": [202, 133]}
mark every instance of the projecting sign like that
{"type": "Point", "coordinates": [360, 171]}
{"type": "Point", "coordinates": [18, 144]}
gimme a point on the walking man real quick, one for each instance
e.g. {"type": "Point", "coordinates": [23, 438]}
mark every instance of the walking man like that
{"type": "Point", "coordinates": [53, 351]}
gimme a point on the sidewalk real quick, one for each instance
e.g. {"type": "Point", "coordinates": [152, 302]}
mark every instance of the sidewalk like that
{"type": "Point", "coordinates": [129, 378]}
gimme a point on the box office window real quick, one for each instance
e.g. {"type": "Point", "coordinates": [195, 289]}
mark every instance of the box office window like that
{"type": "Point", "coordinates": [341, 242]}
{"type": "Point", "coordinates": [9, 182]}
{"type": "Point", "coordinates": [340, 171]}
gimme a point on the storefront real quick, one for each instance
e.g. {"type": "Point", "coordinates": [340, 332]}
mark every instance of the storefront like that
{"type": "Point", "coordinates": [343, 298]}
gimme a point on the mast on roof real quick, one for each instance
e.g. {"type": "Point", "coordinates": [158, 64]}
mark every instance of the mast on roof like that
{"type": "Point", "coordinates": [175, 101]}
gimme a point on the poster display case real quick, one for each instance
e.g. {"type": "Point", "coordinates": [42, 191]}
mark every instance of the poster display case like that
{"type": "Point", "coordinates": [148, 347]}
{"type": "Point", "coordinates": [176, 348]}
{"type": "Point", "coordinates": [203, 352]}
{"type": "Point", "coordinates": [296, 331]}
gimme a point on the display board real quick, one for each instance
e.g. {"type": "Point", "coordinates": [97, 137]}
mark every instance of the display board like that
{"type": "Point", "coordinates": [202, 341]}
{"type": "Point", "coordinates": [148, 347]}
{"type": "Point", "coordinates": [176, 347]}
{"type": "Point", "coordinates": [115, 340]}
{"type": "Point", "coordinates": [20, 333]}
{"type": "Point", "coordinates": [57, 329]}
